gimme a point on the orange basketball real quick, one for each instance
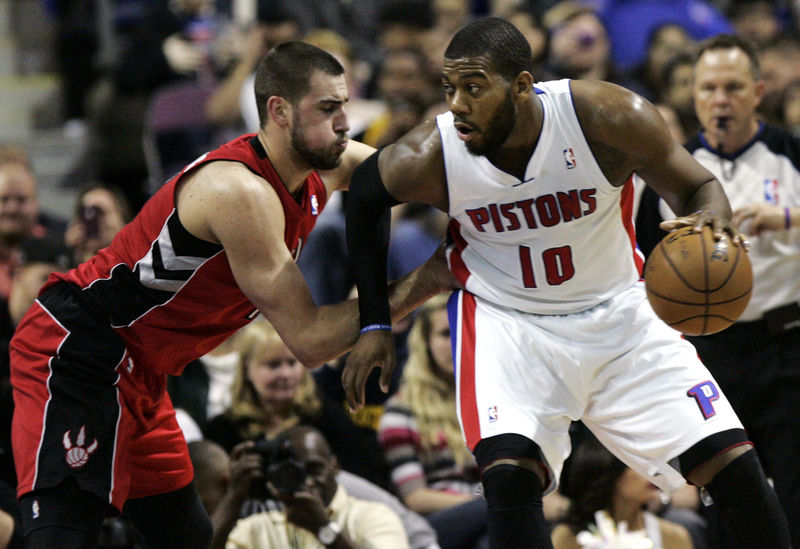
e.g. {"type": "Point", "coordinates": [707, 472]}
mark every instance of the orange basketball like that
{"type": "Point", "coordinates": [698, 285]}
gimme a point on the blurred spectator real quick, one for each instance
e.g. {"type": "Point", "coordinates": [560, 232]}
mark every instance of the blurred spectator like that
{"type": "Point", "coordinates": [666, 42]}
{"type": "Point", "coordinates": [272, 391]}
{"type": "Point", "coordinates": [404, 23]}
{"type": "Point", "coordinates": [174, 41]}
{"type": "Point", "coordinates": [596, 481]}
{"type": "Point", "coordinates": [405, 83]}
{"type": "Point", "coordinates": [431, 466]}
{"type": "Point", "coordinates": [529, 23]}
{"type": "Point", "coordinates": [780, 65]}
{"type": "Point", "coordinates": [316, 508]}
{"type": "Point", "coordinates": [579, 46]}
{"type": "Point", "coordinates": [232, 104]}
{"type": "Point", "coordinates": [448, 16]}
{"type": "Point", "coordinates": [223, 484]}
{"type": "Point", "coordinates": [100, 212]}
{"type": "Point", "coordinates": [673, 122]}
{"type": "Point", "coordinates": [790, 108]}
{"type": "Point", "coordinates": [20, 217]}
{"type": "Point", "coordinates": [630, 22]}
{"type": "Point", "coordinates": [676, 92]}
{"type": "Point", "coordinates": [759, 21]}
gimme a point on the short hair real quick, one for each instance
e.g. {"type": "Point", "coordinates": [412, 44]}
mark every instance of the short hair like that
{"type": "Point", "coordinates": [286, 72]}
{"type": "Point", "coordinates": [731, 42]}
{"type": "Point", "coordinates": [506, 46]}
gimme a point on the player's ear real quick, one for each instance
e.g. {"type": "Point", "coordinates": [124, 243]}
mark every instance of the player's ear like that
{"type": "Point", "coordinates": [523, 84]}
{"type": "Point", "coordinates": [279, 110]}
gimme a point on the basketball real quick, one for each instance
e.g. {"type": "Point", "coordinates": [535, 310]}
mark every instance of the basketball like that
{"type": "Point", "coordinates": [697, 285]}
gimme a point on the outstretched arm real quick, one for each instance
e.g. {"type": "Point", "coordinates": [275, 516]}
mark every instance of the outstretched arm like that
{"type": "Point", "coordinates": [226, 203]}
{"type": "Point", "coordinates": [411, 170]}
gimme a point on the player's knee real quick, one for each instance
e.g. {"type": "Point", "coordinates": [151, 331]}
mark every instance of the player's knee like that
{"type": "Point", "coordinates": [701, 463]}
{"type": "Point", "coordinates": [507, 485]}
{"type": "Point", "coordinates": [740, 483]}
{"type": "Point", "coordinates": [512, 468]}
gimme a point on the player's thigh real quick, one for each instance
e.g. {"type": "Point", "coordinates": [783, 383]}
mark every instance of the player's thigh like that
{"type": "Point", "coordinates": [67, 419]}
{"type": "Point", "coordinates": [657, 401]}
{"type": "Point", "coordinates": [511, 378]}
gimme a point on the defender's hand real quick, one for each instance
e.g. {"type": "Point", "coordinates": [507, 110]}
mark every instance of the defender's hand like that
{"type": "Point", "coordinates": [698, 220]}
{"type": "Point", "coordinates": [375, 348]}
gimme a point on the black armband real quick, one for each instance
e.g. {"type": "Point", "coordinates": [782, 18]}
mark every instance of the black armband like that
{"type": "Point", "coordinates": [368, 229]}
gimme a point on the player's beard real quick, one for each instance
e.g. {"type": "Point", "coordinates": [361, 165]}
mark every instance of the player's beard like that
{"type": "Point", "coordinates": [319, 159]}
{"type": "Point", "coordinates": [497, 131]}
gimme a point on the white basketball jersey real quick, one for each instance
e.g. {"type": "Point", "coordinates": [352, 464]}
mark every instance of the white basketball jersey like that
{"type": "Point", "coordinates": [561, 240]}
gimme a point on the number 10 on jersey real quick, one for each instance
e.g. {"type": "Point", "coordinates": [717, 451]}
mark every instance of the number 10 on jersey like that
{"type": "Point", "coordinates": [558, 267]}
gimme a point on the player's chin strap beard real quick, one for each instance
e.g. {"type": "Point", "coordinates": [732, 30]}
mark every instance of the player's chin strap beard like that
{"type": "Point", "coordinates": [727, 174]}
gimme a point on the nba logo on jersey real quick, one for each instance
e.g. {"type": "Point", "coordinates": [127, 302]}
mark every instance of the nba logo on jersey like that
{"type": "Point", "coordinates": [314, 205]}
{"type": "Point", "coordinates": [771, 191]}
{"type": "Point", "coordinates": [569, 158]}
{"type": "Point", "coordinates": [492, 414]}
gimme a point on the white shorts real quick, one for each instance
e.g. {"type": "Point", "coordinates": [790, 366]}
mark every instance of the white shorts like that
{"type": "Point", "coordinates": [633, 381]}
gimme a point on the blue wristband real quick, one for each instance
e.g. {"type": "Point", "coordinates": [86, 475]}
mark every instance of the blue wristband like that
{"type": "Point", "coordinates": [373, 327]}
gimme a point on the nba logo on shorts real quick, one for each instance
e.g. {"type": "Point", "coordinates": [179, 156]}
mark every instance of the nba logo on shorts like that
{"type": "Point", "coordinates": [492, 414]}
{"type": "Point", "coordinates": [569, 158]}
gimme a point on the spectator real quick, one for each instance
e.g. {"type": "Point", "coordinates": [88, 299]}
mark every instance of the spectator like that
{"type": "Point", "coordinates": [759, 21]}
{"type": "Point", "coordinates": [630, 22]}
{"type": "Point", "coordinates": [223, 484]}
{"type": "Point", "coordinates": [404, 82]}
{"type": "Point", "coordinates": [529, 23]}
{"type": "Point", "coordinates": [759, 168]}
{"type": "Point", "coordinates": [780, 65]}
{"type": "Point", "coordinates": [20, 217]}
{"type": "Point", "coordinates": [317, 510]}
{"type": "Point", "coordinates": [665, 43]}
{"type": "Point", "coordinates": [100, 212]}
{"type": "Point", "coordinates": [579, 45]}
{"type": "Point", "coordinates": [404, 23]}
{"type": "Point", "coordinates": [174, 41]}
{"type": "Point", "coordinates": [676, 91]}
{"type": "Point", "coordinates": [597, 482]}
{"type": "Point", "coordinates": [790, 108]}
{"type": "Point", "coordinates": [232, 103]}
{"type": "Point", "coordinates": [272, 391]}
{"type": "Point", "coordinates": [431, 467]}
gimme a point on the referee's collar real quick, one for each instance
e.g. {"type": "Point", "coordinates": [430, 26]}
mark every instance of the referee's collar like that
{"type": "Point", "coordinates": [738, 153]}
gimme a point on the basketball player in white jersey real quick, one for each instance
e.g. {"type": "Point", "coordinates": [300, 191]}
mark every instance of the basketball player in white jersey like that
{"type": "Point", "coordinates": [552, 324]}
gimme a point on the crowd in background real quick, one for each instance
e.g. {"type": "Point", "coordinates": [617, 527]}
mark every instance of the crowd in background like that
{"type": "Point", "coordinates": [173, 79]}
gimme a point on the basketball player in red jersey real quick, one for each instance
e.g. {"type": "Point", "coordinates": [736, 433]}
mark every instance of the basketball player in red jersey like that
{"type": "Point", "coordinates": [552, 324]}
{"type": "Point", "coordinates": [94, 430]}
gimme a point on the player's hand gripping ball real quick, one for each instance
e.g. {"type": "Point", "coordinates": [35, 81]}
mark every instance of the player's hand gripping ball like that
{"type": "Point", "coordinates": [697, 285]}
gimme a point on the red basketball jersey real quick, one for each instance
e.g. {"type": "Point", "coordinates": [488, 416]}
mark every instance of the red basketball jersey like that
{"type": "Point", "coordinates": [169, 295]}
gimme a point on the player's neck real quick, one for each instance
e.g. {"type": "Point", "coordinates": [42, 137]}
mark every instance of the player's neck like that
{"type": "Point", "coordinates": [292, 170]}
{"type": "Point", "coordinates": [515, 154]}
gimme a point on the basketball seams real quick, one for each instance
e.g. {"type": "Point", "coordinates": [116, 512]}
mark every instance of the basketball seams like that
{"type": "Point", "coordinates": [684, 263]}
